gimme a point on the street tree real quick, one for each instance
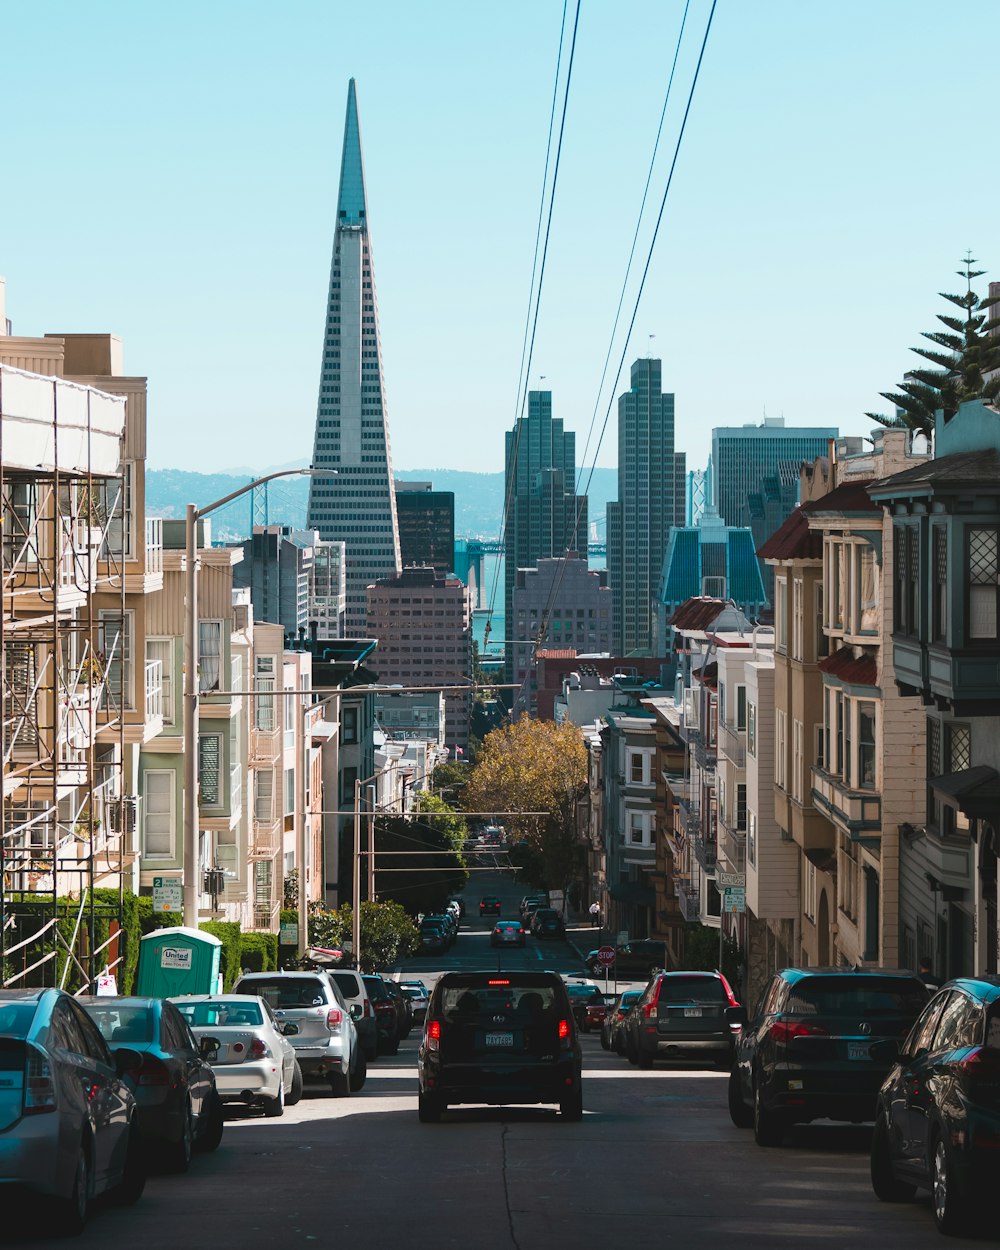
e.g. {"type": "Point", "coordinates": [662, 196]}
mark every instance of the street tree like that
{"type": "Point", "coordinates": [534, 766]}
{"type": "Point", "coordinates": [387, 933]}
{"type": "Point", "coordinates": [418, 858]}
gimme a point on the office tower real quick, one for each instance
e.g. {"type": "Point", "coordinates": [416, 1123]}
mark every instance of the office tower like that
{"type": "Point", "coordinates": [545, 516]}
{"type": "Point", "coordinates": [426, 520]}
{"type": "Point", "coordinates": [295, 580]}
{"type": "Point", "coordinates": [352, 433]}
{"type": "Point", "coordinates": [651, 501]}
{"type": "Point", "coordinates": [424, 631]}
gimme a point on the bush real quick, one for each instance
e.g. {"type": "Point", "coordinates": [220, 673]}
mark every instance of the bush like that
{"type": "Point", "coordinates": [231, 937]}
{"type": "Point", "coordinates": [259, 952]}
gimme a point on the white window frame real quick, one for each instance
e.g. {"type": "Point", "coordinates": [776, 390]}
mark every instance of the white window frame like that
{"type": "Point", "coordinates": [204, 653]}
{"type": "Point", "coordinates": [264, 718]}
{"type": "Point", "coordinates": [781, 614]}
{"type": "Point", "coordinates": [751, 837]}
{"type": "Point", "coordinates": [124, 657]}
{"type": "Point", "coordinates": [166, 658]}
{"type": "Point", "coordinates": [222, 782]}
{"type": "Point", "coordinates": [168, 815]}
{"type": "Point", "coordinates": [780, 748]}
{"type": "Point", "coordinates": [640, 822]}
{"type": "Point", "coordinates": [263, 801]}
{"type": "Point", "coordinates": [798, 620]}
{"type": "Point", "coordinates": [751, 729]}
{"type": "Point", "coordinates": [645, 758]}
{"type": "Point", "coordinates": [798, 759]}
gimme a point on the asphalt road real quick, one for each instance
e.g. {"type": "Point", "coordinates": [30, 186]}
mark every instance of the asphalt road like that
{"type": "Point", "coordinates": [655, 1161]}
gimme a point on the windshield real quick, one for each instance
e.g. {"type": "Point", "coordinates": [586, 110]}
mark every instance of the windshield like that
{"type": "Point", "coordinates": [220, 1014]}
{"type": "Point", "coordinates": [16, 1018]}
{"type": "Point", "coordinates": [281, 992]}
{"type": "Point", "coordinates": [865, 996]}
{"type": "Point", "coordinates": [122, 1024]}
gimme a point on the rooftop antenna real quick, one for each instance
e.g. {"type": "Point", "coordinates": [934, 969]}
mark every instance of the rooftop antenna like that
{"type": "Point", "coordinates": [649, 349]}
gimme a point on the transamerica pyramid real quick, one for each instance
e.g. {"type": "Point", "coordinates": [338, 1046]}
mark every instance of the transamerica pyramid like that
{"type": "Point", "coordinates": [358, 506]}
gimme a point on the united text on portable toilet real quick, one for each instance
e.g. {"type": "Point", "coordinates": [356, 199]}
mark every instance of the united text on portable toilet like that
{"type": "Point", "coordinates": [178, 961]}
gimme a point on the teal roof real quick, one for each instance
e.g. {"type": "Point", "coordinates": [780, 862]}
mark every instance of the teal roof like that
{"type": "Point", "coordinates": [351, 204]}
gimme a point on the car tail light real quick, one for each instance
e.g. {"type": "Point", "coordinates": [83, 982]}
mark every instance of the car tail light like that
{"type": "Point", "coordinates": [563, 1030]}
{"type": "Point", "coordinates": [498, 981]}
{"type": "Point", "coordinates": [434, 1035]}
{"type": "Point", "coordinates": [729, 993]}
{"type": "Point", "coordinates": [259, 1049]}
{"type": "Point", "coordinates": [785, 1031]}
{"type": "Point", "coordinates": [39, 1089]}
{"type": "Point", "coordinates": [334, 1018]}
{"type": "Point", "coordinates": [982, 1063]}
{"type": "Point", "coordinates": [649, 1009]}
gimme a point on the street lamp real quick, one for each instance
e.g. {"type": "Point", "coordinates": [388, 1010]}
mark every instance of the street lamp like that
{"type": "Point", "coordinates": [191, 682]}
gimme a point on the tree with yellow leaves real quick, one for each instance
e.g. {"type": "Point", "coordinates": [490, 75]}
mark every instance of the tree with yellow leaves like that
{"type": "Point", "coordinates": [534, 766]}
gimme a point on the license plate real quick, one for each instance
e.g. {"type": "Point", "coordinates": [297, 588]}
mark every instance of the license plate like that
{"type": "Point", "coordinates": [858, 1050]}
{"type": "Point", "coordinates": [690, 1012]}
{"type": "Point", "coordinates": [498, 1040]}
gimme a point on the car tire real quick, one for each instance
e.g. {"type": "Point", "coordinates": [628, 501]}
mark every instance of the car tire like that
{"type": "Point", "coordinates": [133, 1181]}
{"type": "Point", "coordinates": [71, 1212]}
{"type": "Point", "coordinates": [213, 1125]}
{"type": "Point", "coordinates": [274, 1107]}
{"type": "Point", "coordinates": [359, 1073]}
{"type": "Point", "coordinates": [631, 1054]}
{"type": "Point", "coordinates": [295, 1093]}
{"type": "Point", "coordinates": [884, 1183]}
{"type": "Point", "coordinates": [340, 1084]}
{"type": "Point", "coordinates": [392, 1046]}
{"type": "Point", "coordinates": [571, 1107]}
{"type": "Point", "coordinates": [948, 1199]}
{"type": "Point", "coordinates": [644, 1060]}
{"type": "Point", "coordinates": [605, 1043]}
{"type": "Point", "coordinates": [740, 1114]}
{"type": "Point", "coordinates": [179, 1152]}
{"type": "Point", "coordinates": [768, 1129]}
{"type": "Point", "coordinates": [429, 1109]}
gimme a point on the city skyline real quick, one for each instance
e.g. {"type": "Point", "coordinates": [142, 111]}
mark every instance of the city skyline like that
{"type": "Point", "coordinates": [767, 189]}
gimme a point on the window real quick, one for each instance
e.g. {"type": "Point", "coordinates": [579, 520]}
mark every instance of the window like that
{"type": "Point", "coordinates": [939, 607]}
{"type": "Point", "coordinates": [809, 890]}
{"type": "Point", "coordinates": [158, 791]}
{"type": "Point", "coordinates": [115, 645]}
{"type": "Point", "coordinates": [960, 1024]}
{"type": "Point", "coordinates": [822, 642]}
{"type": "Point", "coordinates": [959, 747]}
{"type": "Point", "coordinates": [780, 748]}
{"type": "Point", "coordinates": [162, 650]}
{"type": "Point", "coordinates": [639, 828]}
{"type": "Point", "coordinates": [780, 613]}
{"type": "Point", "coordinates": [263, 804]}
{"type": "Point", "coordinates": [752, 729]}
{"type": "Point", "coordinates": [741, 806]}
{"type": "Point", "coordinates": [264, 674]}
{"type": "Point", "coordinates": [741, 707]}
{"type": "Point", "coordinates": [289, 735]}
{"type": "Point", "coordinates": [752, 839]}
{"type": "Point", "coordinates": [209, 767]}
{"type": "Point", "coordinates": [798, 760]}
{"type": "Point", "coordinates": [349, 724]}
{"type": "Point", "coordinates": [209, 656]}
{"type": "Point", "coordinates": [933, 769]}
{"type": "Point", "coordinates": [866, 591]}
{"type": "Point", "coordinates": [797, 621]}
{"type": "Point", "coordinates": [984, 581]}
{"type": "Point", "coordinates": [638, 768]}
{"type": "Point", "coordinates": [866, 746]}
{"type": "Point", "coordinates": [289, 791]}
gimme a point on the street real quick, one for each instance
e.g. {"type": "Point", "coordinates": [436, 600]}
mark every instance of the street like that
{"type": "Point", "coordinates": [656, 1157]}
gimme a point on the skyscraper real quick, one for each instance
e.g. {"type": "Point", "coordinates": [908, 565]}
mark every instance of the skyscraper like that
{"type": "Point", "coordinates": [352, 433]}
{"type": "Point", "coordinates": [545, 516]}
{"type": "Point", "coordinates": [651, 501]}
{"type": "Point", "coordinates": [426, 519]}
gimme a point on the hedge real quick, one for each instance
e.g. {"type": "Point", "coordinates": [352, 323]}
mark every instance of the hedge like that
{"type": "Point", "coordinates": [259, 952]}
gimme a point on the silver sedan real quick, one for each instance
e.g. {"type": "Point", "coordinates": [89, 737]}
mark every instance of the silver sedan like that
{"type": "Point", "coordinates": [254, 1062]}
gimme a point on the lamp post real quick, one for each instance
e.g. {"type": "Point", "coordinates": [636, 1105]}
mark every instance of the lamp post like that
{"type": "Point", "coordinates": [192, 517]}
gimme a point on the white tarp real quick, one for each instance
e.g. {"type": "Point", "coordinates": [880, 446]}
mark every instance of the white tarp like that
{"type": "Point", "coordinates": [49, 418]}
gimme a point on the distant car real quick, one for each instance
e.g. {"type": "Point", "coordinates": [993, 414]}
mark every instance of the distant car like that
{"type": "Point", "coordinates": [255, 1061]}
{"type": "Point", "coordinates": [584, 998]}
{"type": "Point", "coordinates": [458, 902]}
{"type": "Point", "coordinates": [499, 1039]}
{"type": "Point", "coordinates": [417, 993]}
{"type": "Point", "coordinates": [811, 1050]}
{"type": "Point", "coordinates": [434, 938]}
{"type": "Point", "coordinates": [640, 958]}
{"type": "Point", "coordinates": [507, 933]}
{"type": "Point", "coordinates": [612, 1034]}
{"type": "Point", "coordinates": [938, 1120]}
{"type": "Point", "coordinates": [448, 921]}
{"type": "Point", "coordinates": [489, 906]}
{"type": "Point", "coordinates": [681, 1014]}
{"type": "Point", "coordinates": [404, 1008]}
{"type": "Point", "coordinates": [547, 923]}
{"type": "Point", "coordinates": [168, 1072]}
{"type": "Point", "coordinates": [387, 1015]}
{"type": "Point", "coordinates": [530, 905]}
{"type": "Point", "coordinates": [60, 1088]}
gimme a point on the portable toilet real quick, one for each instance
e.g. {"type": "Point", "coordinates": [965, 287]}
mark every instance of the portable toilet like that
{"type": "Point", "coordinates": [178, 961]}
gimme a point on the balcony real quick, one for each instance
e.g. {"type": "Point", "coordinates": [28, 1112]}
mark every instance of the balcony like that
{"type": "Point", "coordinates": [705, 851]}
{"type": "Point", "coordinates": [689, 899]}
{"type": "Point", "coordinates": [732, 744]}
{"type": "Point", "coordinates": [704, 752]}
{"type": "Point", "coordinates": [732, 844]}
{"type": "Point", "coordinates": [265, 916]}
{"type": "Point", "coordinates": [265, 746]}
{"type": "Point", "coordinates": [857, 812]}
{"type": "Point", "coordinates": [154, 544]}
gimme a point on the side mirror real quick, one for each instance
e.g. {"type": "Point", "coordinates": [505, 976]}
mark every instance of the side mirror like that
{"type": "Point", "coordinates": [885, 1051]}
{"type": "Point", "coordinates": [737, 1017]}
{"type": "Point", "coordinates": [289, 1029]}
{"type": "Point", "coordinates": [356, 1011]}
{"type": "Point", "coordinates": [208, 1048]}
{"type": "Point", "coordinates": [126, 1060]}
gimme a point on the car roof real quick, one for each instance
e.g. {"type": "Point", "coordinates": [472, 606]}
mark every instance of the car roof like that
{"type": "Point", "coordinates": [214, 998]}
{"type": "Point", "coordinates": [793, 975]}
{"type": "Point", "coordinates": [20, 996]}
{"type": "Point", "coordinates": [483, 979]}
{"type": "Point", "coordinates": [118, 1000]}
{"type": "Point", "coordinates": [985, 988]}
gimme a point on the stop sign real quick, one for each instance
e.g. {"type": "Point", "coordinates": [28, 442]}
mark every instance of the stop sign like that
{"type": "Point", "coordinates": [606, 956]}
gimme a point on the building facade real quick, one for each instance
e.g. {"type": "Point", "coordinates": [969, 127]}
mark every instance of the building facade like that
{"type": "Point", "coordinates": [426, 520]}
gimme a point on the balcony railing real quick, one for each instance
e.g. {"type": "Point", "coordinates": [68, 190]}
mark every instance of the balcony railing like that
{"type": "Point", "coordinates": [154, 544]}
{"type": "Point", "coordinates": [860, 811]}
{"type": "Point", "coordinates": [732, 744]}
{"type": "Point", "coordinates": [154, 689]}
{"type": "Point", "coordinates": [704, 752]}
{"type": "Point", "coordinates": [688, 898]}
{"type": "Point", "coordinates": [705, 851]}
{"type": "Point", "coordinates": [266, 840]}
{"type": "Point", "coordinates": [265, 915]}
{"type": "Point", "coordinates": [732, 844]}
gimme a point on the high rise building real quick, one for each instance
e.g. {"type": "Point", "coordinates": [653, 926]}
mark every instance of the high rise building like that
{"type": "Point", "coordinates": [352, 433]}
{"type": "Point", "coordinates": [295, 580]}
{"type": "Point", "coordinates": [426, 520]}
{"type": "Point", "coordinates": [545, 516]}
{"type": "Point", "coordinates": [651, 501]}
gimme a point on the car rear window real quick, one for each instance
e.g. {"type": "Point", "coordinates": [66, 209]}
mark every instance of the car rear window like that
{"type": "Point", "coordinates": [411, 991]}
{"type": "Point", "coordinates": [282, 992]}
{"type": "Point", "coordinates": [461, 1002]}
{"type": "Point", "coordinates": [376, 988]}
{"type": "Point", "coordinates": [847, 996]}
{"type": "Point", "coordinates": [122, 1024]}
{"type": "Point", "coordinates": [347, 983]}
{"type": "Point", "coordinates": [585, 991]}
{"type": "Point", "coordinates": [691, 990]}
{"type": "Point", "coordinates": [16, 1018]}
{"type": "Point", "coordinates": [221, 1014]}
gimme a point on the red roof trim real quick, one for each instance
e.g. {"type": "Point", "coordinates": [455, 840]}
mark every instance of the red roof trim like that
{"type": "Point", "coordinates": [854, 670]}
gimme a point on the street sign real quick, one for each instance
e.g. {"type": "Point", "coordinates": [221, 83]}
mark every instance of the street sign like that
{"type": "Point", "coordinates": [723, 879]}
{"type": "Point", "coordinates": [288, 934]}
{"type": "Point", "coordinates": [168, 894]}
{"type": "Point", "coordinates": [734, 898]}
{"type": "Point", "coordinates": [606, 956]}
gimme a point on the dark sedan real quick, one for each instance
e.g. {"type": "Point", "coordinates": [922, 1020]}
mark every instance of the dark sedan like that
{"type": "Point", "coordinates": [938, 1123]}
{"type": "Point", "coordinates": [547, 923]}
{"type": "Point", "coordinates": [387, 1014]}
{"type": "Point", "coordinates": [174, 1085]}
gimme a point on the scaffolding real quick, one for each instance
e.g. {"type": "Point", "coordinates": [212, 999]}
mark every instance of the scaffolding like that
{"type": "Point", "coordinates": [65, 821]}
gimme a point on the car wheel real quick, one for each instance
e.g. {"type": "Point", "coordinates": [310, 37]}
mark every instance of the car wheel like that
{"type": "Point", "coordinates": [571, 1107]}
{"type": "Point", "coordinates": [631, 1054]}
{"type": "Point", "coordinates": [392, 1046]}
{"type": "Point", "coordinates": [213, 1123]}
{"type": "Point", "coordinates": [179, 1152]}
{"type": "Point", "coordinates": [360, 1073]}
{"type": "Point", "coordinates": [71, 1213]}
{"type": "Point", "coordinates": [605, 1043]}
{"type": "Point", "coordinates": [133, 1180]}
{"type": "Point", "coordinates": [295, 1093]}
{"type": "Point", "coordinates": [740, 1114]}
{"type": "Point", "coordinates": [887, 1188]}
{"type": "Point", "coordinates": [951, 1213]}
{"type": "Point", "coordinates": [274, 1107]}
{"type": "Point", "coordinates": [428, 1109]}
{"type": "Point", "coordinates": [340, 1084]}
{"type": "Point", "coordinates": [768, 1129]}
{"type": "Point", "coordinates": [644, 1060]}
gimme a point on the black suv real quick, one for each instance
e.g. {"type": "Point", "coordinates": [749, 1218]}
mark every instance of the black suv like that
{"type": "Point", "coordinates": [938, 1122]}
{"type": "Point", "coordinates": [499, 1039]}
{"type": "Point", "coordinates": [811, 1051]}
{"type": "Point", "coordinates": [641, 958]}
{"type": "Point", "coordinates": [682, 1014]}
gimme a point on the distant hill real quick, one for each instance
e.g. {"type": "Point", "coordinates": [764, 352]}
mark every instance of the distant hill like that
{"type": "Point", "coordinates": [478, 498]}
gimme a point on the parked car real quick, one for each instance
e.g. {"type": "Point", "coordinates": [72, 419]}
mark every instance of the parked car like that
{"type": "Point", "coordinates": [458, 902]}
{"type": "Point", "coordinates": [387, 1017]}
{"type": "Point", "coordinates": [583, 998]}
{"type": "Point", "coordinates": [810, 1050]}
{"type": "Point", "coordinates": [327, 1042]}
{"type": "Point", "coordinates": [499, 1040]}
{"type": "Point", "coordinates": [417, 993]}
{"type": "Point", "coordinates": [489, 905]}
{"type": "Point", "coordinates": [547, 923]}
{"type": "Point", "coordinates": [508, 933]}
{"type": "Point", "coordinates": [938, 1120]}
{"type": "Point", "coordinates": [404, 1008]}
{"type": "Point", "coordinates": [641, 958]}
{"type": "Point", "coordinates": [447, 921]}
{"type": "Point", "coordinates": [612, 1033]}
{"type": "Point", "coordinates": [529, 906]}
{"type": "Point", "coordinates": [351, 985]}
{"type": "Point", "coordinates": [681, 1014]}
{"type": "Point", "coordinates": [178, 1105]}
{"type": "Point", "coordinates": [60, 1088]}
{"type": "Point", "coordinates": [434, 939]}
{"type": "Point", "coordinates": [254, 1061]}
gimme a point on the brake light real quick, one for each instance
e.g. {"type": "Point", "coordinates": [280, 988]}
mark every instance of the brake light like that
{"type": "Point", "coordinates": [498, 981]}
{"type": "Point", "coordinates": [785, 1031]}
{"type": "Point", "coordinates": [39, 1090]}
{"type": "Point", "coordinates": [434, 1035]}
{"type": "Point", "coordinates": [259, 1049]}
{"type": "Point", "coordinates": [729, 993]}
{"type": "Point", "coordinates": [334, 1018]}
{"type": "Point", "coordinates": [563, 1030]}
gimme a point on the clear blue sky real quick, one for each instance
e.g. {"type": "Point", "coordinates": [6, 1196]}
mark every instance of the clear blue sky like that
{"type": "Point", "coordinates": [170, 174]}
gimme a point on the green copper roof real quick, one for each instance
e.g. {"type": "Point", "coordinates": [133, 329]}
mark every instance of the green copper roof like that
{"type": "Point", "coordinates": [351, 206]}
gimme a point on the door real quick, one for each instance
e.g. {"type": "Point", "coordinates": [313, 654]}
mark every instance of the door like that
{"type": "Point", "coordinates": [178, 1041]}
{"type": "Point", "coordinates": [908, 1098]}
{"type": "Point", "coordinates": [102, 1091]}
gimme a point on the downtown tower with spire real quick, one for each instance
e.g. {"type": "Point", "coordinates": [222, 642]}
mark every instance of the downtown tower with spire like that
{"type": "Point", "coordinates": [358, 505]}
